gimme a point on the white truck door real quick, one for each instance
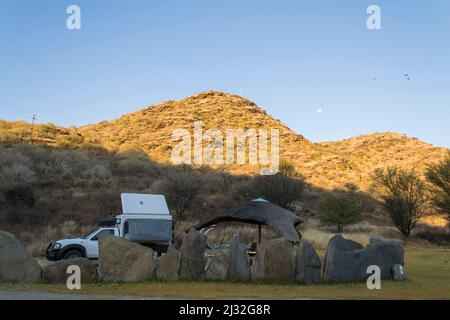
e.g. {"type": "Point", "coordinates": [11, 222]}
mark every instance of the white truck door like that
{"type": "Point", "coordinates": [91, 244]}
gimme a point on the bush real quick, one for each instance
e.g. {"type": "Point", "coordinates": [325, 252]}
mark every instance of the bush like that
{"type": "Point", "coordinates": [20, 196]}
{"type": "Point", "coordinates": [403, 195]}
{"type": "Point", "coordinates": [339, 210]}
{"type": "Point", "coordinates": [135, 165]}
{"type": "Point", "coordinates": [283, 188]}
{"type": "Point", "coordinates": [438, 237]}
{"type": "Point", "coordinates": [439, 178]}
{"type": "Point", "coordinates": [16, 174]}
{"type": "Point", "coordinates": [181, 186]}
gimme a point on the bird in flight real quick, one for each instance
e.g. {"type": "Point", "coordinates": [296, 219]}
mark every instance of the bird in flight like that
{"type": "Point", "coordinates": [406, 75]}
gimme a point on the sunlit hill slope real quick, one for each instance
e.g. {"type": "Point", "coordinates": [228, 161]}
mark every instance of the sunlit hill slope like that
{"type": "Point", "coordinates": [330, 164]}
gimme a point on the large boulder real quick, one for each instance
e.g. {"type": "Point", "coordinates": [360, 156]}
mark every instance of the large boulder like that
{"type": "Point", "coordinates": [307, 264]}
{"type": "Point", "coordinates": [169, 265]}
{"type": "Point", "coordinates": [386, 253]}
{"type": "Point", "coordinates": [275, 261]}
{"type": "Point", "coordinates": [57, 272]}
{"type": "Point", "coordinates": [347, 260]}
{"type": "Point", "coordinates": [238, 265]}
{"type": "Point", "coordinates": [376, 238]}
{"type": "Point", "coordinates": [16, 264]}
{"type": "Point", "coordinates": [216, 267]}
{"type": "Point", "coordinates": [124, 261]}
{"type": "Point", "coordinates": [193, 260]}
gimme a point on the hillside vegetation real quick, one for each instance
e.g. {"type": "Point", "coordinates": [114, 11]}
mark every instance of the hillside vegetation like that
{"type": "Point", "coordinates": [47, 192]}
{"type": "Point", "coordinates": [326, 165]}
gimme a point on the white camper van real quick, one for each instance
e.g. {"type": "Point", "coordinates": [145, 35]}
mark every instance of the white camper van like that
{"type": "Point", "coordinates": [145, 219]}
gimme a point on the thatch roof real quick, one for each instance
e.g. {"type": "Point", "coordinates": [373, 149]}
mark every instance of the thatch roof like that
{"type": "Point", "coordinates": [261, 212]}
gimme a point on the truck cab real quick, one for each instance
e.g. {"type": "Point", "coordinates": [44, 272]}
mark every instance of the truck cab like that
{"type": "Point", "coordinates": [145, 219]}
{"type": "Point", "coordinates": [86, 247]}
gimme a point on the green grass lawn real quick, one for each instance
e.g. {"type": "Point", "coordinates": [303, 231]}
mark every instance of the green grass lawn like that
{"type": "Point", "coordinates": [428, 277]}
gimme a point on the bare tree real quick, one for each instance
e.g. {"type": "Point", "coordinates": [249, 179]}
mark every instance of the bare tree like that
{"type": "Point", "coordinates": [181, 186]}
{"type": "Point", "coordinates": [403, 195]}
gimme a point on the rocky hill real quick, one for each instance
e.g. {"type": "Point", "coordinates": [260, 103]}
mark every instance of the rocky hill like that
{"type": "Point", "coordinates": [328, 165]}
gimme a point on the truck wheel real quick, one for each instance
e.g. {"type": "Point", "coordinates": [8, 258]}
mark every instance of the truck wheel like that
{"type": "Point", "coordinates": [72, 254]}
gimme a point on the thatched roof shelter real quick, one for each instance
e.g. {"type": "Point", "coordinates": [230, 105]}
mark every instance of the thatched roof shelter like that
{"type": "Point", "coordinates": [260, 212]}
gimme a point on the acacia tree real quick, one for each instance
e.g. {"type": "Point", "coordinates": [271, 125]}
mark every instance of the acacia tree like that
{"type": "Point", "coordinates": [283, 188]}
{"type": "Point", "coordinates": [339, 210]}
{"type": "Point", "coordinates": [403, 195]}
{"type": "Point", "coordinates": [439, 178]}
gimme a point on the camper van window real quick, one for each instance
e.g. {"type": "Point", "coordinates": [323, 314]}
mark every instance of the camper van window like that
{"type": "Point", "coordinates": [126, 227]}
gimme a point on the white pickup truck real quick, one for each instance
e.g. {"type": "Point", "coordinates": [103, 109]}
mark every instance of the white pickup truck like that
{"type": "Point", "coordinates": [145, 219]}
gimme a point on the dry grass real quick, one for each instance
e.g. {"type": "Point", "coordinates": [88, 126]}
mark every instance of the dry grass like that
{"type": "Point", "coordinates": [361, 232]}
{"type": "Point", "coordinates": [223, 233]}
{"type": "Point", "coordinates": [319, 239]}
{"type": "Point", "coordinates": [68, 229]}
{"type": "Point", "coordinates": [312, 232]}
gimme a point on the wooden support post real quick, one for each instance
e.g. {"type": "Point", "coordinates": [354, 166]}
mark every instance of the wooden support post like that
{"type": "Point", "coordinates": [259, 234]}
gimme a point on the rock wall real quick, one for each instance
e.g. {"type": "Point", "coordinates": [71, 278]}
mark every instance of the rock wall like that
{"type": "Point", "coordinates": [276, 260]}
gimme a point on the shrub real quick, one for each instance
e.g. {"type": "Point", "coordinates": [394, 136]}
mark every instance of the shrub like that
{"type": "Point", "coordinates": [439, 178]}
{"type": "Point", "coordinates": [339, 210]}
{"type": "Point", "coordinates": [181, 187]}
{"type": "Point", "coordinates": [435, 235]}
{"type": "Point", "coordinates": [135, 165]}
{"type": "Point", "coordinates": [16, 175]}
{"type": "Point", "coordinates": [20, 196]}
{"type": "Point", "coordinates": [283, 188]}
{"type": "Point", "coordinates": [403, 195]}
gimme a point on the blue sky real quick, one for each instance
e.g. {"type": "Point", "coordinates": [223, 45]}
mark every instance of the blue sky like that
{"type": "Point", "coordinates": [290, 57]}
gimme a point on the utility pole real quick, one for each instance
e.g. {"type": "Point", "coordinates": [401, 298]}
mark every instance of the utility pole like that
{"type": "Point", "coordinates": [31, 130]}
